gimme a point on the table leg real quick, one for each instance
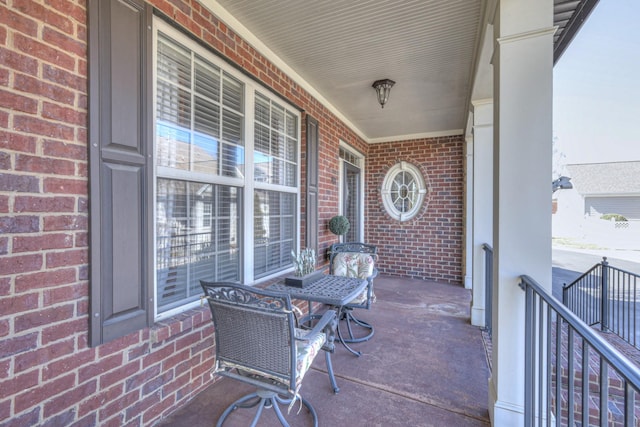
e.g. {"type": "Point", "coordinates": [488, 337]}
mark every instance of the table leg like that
{"type": "Point", "coordinates": [307, 321]}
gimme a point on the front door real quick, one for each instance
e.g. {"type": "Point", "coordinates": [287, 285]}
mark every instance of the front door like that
{"type": "Point", "coordinates": [351, 201]}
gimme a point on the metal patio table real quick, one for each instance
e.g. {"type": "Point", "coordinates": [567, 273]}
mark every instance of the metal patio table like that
{"type": "Point", "coordinates": [335, 291]}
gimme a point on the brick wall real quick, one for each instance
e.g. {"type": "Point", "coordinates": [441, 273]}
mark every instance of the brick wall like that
{"type": "Point", "coordinates": [429, 246]}
{"type": "Point", "coordinates": [48, 374]}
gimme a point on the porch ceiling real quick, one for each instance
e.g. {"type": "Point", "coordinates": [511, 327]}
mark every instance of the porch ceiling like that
{"type": "Point", "coordinates": [340, 47]}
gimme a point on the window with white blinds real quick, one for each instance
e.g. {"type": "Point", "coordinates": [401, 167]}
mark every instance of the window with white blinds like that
{"type": "Point", "coordinates": [199, 114]}
{"type": "Point", "coordinates": [204, 195]}
{"type": "Point", "coordinates": [197, 238]}
{"type": "Point", "coordinates": [274, 225]}
{"type": "Point", "coordinates": [275, 166]}
{"type": "Point", "coordinates": [275, 143]}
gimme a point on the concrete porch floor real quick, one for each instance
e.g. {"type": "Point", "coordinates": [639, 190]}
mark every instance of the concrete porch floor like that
{"type": "Point", "coordinates": [425, 366]}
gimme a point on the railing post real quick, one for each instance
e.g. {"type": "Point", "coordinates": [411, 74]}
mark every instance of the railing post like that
{"type": "Point", "coordinates": [604, 298]}
{"type": "Point", "coordinates": [488, 287]}
{"type": "Point", "coordinates": [559, 366]}
{"type": "Point", "coordinates": [529, 368]}
{"type": "Point", "coordinates": [565, 295]}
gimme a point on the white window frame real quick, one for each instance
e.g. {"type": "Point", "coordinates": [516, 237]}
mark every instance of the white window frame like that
{"type": "Point", "coordinates": [395, 170]}
{"type": "Point", "coordinates": [247, 185]}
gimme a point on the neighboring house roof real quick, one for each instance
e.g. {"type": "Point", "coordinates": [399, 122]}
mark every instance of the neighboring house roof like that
{"type": "Point", "coordinates": [616, 178]}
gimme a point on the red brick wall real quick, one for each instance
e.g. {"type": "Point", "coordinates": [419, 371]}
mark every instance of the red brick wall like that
{"type": "Point", "coordinates": [48, 374]}
{"type": "Point", "coordinates": [429, 246]}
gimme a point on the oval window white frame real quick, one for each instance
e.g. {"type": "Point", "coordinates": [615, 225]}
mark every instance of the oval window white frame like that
{"type": "Point", "coordinates": [389, 193]}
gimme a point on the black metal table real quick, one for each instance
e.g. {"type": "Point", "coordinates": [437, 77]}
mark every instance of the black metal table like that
{"type": "Point", "coordinates": [336, 291]}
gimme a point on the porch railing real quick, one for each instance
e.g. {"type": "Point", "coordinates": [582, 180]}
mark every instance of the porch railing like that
{"type": "Point", "coordinates": [488, 286]}
{"type": "Point", "coordinates": [607, 296]}
{"type": "Point", "coordinates": [572, 375]}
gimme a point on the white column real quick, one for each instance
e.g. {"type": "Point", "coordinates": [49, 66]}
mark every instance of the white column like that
{"type": "Point", "coordinates": [482, 202]}
{"type": "Point", "coordinates": [468, 215]}
{"type": "Point", "coordinates": [523, 77]}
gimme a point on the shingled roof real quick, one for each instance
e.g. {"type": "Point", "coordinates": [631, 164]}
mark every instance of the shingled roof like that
{"type": "Point", "coordinates": [606, 178]}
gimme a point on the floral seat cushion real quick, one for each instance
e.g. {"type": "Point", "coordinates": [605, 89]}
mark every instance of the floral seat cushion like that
{"type": "Point", "coordinates": [306, 351]}
{"type": "Point", "coordinates": [354, 264]}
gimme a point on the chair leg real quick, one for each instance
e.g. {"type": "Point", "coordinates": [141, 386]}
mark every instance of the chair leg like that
{"type": "Point", "coordinates": [265, 403]}
{"type": "Point", "coordinates": [328, 348]}
{"type": "Point", "coordinates": [304, 401]}
{"type": "Point", "coordinates": [332, 378]}
{"type": "Point", "coordinates": [241, 403]}
{"type": "Point", "coordinates": [348, 317]}
{"type": "Point", "coordinates": [265, 399]}
{"type": "Point", "coordinates": [276, 408]}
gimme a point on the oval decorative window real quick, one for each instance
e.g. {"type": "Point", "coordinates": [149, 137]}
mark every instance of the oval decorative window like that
{"type": "Point", "coordinates": [403, 191]}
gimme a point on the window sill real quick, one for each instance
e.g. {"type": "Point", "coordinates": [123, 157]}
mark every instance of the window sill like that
{"type": "Point", "coordinates": [167, 328]}
{"type": "Point", "coordinates": [171, 327]}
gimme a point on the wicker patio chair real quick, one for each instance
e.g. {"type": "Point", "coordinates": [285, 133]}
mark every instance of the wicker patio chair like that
{"type": "Point", "coordinates": [257, 342]}
{"type": "Point", "coordinates": [355, 259]}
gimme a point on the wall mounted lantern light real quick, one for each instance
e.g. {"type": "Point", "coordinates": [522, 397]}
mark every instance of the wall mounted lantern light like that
{"type": "Point", "coordinates": [383, 88]}
{"type": "Point", "coordinates": [562, 183]}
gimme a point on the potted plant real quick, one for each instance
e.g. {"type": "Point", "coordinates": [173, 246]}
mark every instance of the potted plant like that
{"type": "Point", "coordinates": [304, 269]}
{"type": "Point", "coordinates": [339, 225]}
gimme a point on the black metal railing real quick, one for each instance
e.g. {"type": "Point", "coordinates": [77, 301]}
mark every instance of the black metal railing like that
{"type": "Point", "coordinates": [606, 296]}
{"type": "Point", "coordinates": [572, 375]}
{"type": "Point", "coordinates": [488, 286]}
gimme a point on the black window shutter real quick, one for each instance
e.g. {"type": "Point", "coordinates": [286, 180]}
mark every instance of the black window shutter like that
{"type": "Point", "coordinates": [120, 177]}
{"type": "Point", "coordinates": [312, 184]}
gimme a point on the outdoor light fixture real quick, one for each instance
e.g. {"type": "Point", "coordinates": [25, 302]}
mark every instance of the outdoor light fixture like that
{"type": "Point", "coordinates": [562, 183]}
{"type": "Point", "coordinates": [383, 88]}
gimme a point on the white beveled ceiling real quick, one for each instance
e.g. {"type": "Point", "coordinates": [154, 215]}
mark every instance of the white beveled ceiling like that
{"type": "Point", "coordinates": [340, 47]}
{"type": "Point", "coordinates": [336, 49]}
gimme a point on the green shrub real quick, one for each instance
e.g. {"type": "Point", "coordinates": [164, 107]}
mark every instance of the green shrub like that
{"type": "Point", "coordinates": [614, 217]}
{"type": "Point", "coordinates": [339, 225]}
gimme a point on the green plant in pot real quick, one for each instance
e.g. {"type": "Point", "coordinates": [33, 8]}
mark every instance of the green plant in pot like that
{"type": "Point", "coordinates": [305, 272]}
{"type": "Point", "coordinates": [305, 262]}
{"type": "Point", "coordinates": [339, 225]}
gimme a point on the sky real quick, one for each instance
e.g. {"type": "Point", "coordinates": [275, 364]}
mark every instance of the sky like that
{"type": "Point", "coordinates": [596, 100]}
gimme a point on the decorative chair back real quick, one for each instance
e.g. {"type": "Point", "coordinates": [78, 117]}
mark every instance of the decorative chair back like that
{"type": "Point", "coordinates": [257, 343]}
{"type": "Point", "coordinates": [355, 259]}
{"type": "Point", "coordinates": [254, 332]}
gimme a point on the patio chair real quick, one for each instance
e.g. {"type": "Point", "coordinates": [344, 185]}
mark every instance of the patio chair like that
{"type": "Point", "coordinates": [355, 259]}
{"type": "Point", "coordinates": [257, 342]}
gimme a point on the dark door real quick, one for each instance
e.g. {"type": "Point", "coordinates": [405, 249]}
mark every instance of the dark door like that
{"type": "Point", "coordinates": [351, 201]}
